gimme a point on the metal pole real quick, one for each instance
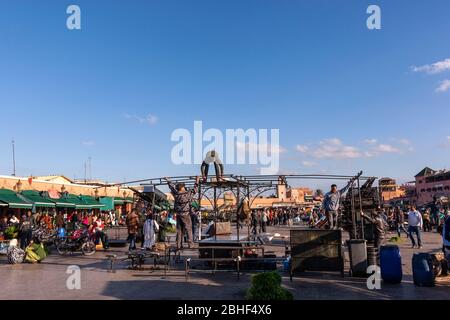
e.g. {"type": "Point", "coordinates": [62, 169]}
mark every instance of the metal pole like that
{"type": "Point", "coordinates": [360, 208]}
{"type": "Point", "coordinates": [250, 208]}
{"type": "Point", "coordinates": [200, 211]}
{"type": "Point", "coordinates": [237, 206]}
{"type": "Point", "coordinates": [353, 211]}
{"type": "Point", "coordinates": [14, 157]}
{"type": "Point", "coordinates": [215, 213]}
{"type": "Point", "coordinates": [153, 200]}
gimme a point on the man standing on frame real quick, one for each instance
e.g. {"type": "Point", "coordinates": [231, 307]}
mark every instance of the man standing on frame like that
{"type": "Point", "coordinates": [212, 157]}
{"type": "Point", "coordinates": [183, 209]}
{"type": "Point", "coordinates": [331, 203]}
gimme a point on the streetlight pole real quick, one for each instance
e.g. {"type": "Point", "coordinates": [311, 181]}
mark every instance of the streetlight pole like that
{"type": "Point", "coordinates": [90, 168]}
{"type": "Point", "coordinates": [14, 157]}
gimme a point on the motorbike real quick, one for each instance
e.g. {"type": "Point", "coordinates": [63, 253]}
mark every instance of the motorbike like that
{"type": "Point", "coordinates": [79, 240]}
{"type": "Point", "coordinates": [45, 236]}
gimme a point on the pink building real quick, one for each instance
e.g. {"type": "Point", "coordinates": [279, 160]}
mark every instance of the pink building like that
{"type": "Point", "coordinates": [431, 183]}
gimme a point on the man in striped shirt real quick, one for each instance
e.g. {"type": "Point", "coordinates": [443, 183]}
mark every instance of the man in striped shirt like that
{"type": "Point", "coordinates": [183, 209]}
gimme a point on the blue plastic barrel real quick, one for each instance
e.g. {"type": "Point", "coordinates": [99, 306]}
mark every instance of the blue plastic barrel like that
{"type": "Point", "coordinates": [422, 266]}
{"type": "Point", "coordinates": [287, 264]}
{"type": "Point", "coordinates": [391, 264]}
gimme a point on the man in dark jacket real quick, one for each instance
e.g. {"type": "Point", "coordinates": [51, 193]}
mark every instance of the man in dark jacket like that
{"type": "Point", "coordinates": [35, 219]}
{"type": "Point", "coordinates": [379, 230]}
{"type": "Point", "coordinates": [25, 232]}
{"type": "Point", "coordinates": [133, 225]}
{"type": "Point", "coordinates": [399, 217]}
{"type": "Point", "coordinates": [195, 225]}
{"type": "Point", "coordinates": [59, 220]}
{"type": "Point", "coordinates": [446, 237]}
{"type": "Point", "coordinates": [254, 222]}
{"type": "Point", "coordinates": [183, 209]}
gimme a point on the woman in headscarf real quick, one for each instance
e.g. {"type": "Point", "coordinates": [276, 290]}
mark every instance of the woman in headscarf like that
{"type": "Point", "coordinates": [151, 227]}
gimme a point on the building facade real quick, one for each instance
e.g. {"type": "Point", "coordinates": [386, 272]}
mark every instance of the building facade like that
{"type": "Point", "coordinates": [108, 198]}
{"type": "Point", "coordinates": [61, 184]}
{"type": "Point", "coordinates": [389, 189]}
{"type": "Point", "coordinates": [432, 184]}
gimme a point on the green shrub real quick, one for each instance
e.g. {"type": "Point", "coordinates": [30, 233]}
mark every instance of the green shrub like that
{"type": "Point", "coordinates": [267, 286]}
{"type": "Point", "coordinates": [11, 233]}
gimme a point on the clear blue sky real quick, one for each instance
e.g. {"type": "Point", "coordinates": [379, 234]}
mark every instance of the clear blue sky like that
{"type": "Point", "coordinates": [344, 98]}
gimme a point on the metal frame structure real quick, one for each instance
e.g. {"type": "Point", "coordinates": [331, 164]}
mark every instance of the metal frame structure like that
{"type": "Point", "coordinates": [250, 187]}
{"type": "Point", "coordinates": [245, 186]}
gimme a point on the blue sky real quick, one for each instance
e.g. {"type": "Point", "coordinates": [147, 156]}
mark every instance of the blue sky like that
{"type": "Point", "coordinates": [344, 98]}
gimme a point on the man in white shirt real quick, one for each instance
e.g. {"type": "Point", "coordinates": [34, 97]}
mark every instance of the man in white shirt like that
{"type": "Point", "coordinates": [415, 223]}
{"type": "Point", "coordinates": [14, 220]}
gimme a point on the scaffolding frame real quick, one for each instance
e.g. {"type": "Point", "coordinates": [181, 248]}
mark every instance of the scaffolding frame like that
{"type": "Point", "coordinates": [247, 186]}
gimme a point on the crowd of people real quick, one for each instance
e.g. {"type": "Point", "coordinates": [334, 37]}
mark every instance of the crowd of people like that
{"type": "Point", "coordinates": [412, 223]}
{"type": "Point", "coordinates": [149, 227]}
{"type": "Point", "coordinates": [432, 218]}
{"type": "Point", "coordinates": [53, 221]}
{"type": "Point", "coordinates": [262, 218]}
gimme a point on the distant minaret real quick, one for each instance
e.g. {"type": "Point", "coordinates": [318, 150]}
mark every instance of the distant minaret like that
{"type": "Point", "coordinates": [281, 189]}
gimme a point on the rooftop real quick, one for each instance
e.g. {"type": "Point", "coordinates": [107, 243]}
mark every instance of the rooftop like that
{"type": "Point", "coordinates": [425, 172]}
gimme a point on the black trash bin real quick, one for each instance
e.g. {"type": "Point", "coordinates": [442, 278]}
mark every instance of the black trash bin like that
{"type": "Point", "coordinates": [357, 250]}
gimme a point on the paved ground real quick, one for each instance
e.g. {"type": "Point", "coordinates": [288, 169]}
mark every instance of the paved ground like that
{"type": "Point", "coordinates": [48, 281]}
